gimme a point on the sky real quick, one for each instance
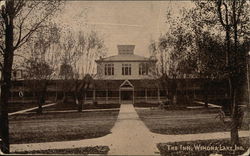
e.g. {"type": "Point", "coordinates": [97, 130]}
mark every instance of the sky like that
{"type": "Point", "coordinates": [121, 22]}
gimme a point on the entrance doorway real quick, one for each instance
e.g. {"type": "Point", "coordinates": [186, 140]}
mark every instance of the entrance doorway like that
{"type": "Point", "coordinates": [126, 92]}
{"type": "Point", "coordinates": [127, 95]}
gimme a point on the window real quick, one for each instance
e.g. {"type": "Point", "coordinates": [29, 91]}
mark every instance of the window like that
{"type": "Point", "coordinates": [143, 69]}
{"type": "Point", "coordinates": [109, 69]}
{"type": "Point", "coordinates": [126, 69]}
{"type": "Point", "coordinates": [19, 74]}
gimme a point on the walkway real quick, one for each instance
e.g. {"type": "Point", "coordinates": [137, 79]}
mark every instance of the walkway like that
{"type": "Point", "coordinates": [72, 111]}
{"type": "Point", "coordinates": [209, 104]}
{"type": "Point", "coordinates": [30, 109]}
{"type": "Point", "coordinates": [129, 137]}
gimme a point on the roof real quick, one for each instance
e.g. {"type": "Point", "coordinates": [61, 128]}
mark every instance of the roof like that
{"type": "Point", "coordinates": [137, 84]}
{"type": "Point", "coordinates": [125, 57]}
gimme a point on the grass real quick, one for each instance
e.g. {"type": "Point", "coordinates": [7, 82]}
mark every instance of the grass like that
{"type": "Point", "coordinates": [17, 104]}
{"type": "Point", "coordinates": [183, 121]}
{"type": "Point", "coordinates": [145, 104]}
{"type": "Point", "coordinates": [73, 106]}
{"type": "Point", "coordinates": [82, 151]}
{"type": "Point", "coordinates": [30, 128]}
{"type": "Point", "coordinates": [209, 146]}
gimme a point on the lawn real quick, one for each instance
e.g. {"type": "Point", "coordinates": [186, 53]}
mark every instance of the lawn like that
{"type": "Point", "coordinates": [73, 106]}
{"type": "Point", "coordinates": [183, 121]}
{"type": "Point", "coordinates": [82, 151]}
{"type": "Point", "coordinates": [17, 104]}
{"type": "Point", "coordinates": [30, 128]}
{"type": "Point", "coordinates": [204, 148]}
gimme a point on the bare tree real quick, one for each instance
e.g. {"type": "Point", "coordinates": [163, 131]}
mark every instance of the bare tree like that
{"type": "Point", "coordinates": [230, 22]}
{"type": "Point", "coordinates": [217, 31]}
{"type": "Point", "coordinates": [173, 49]}
{"type": "Point", "coordinates": [41, 63]}
{"type": "Point", "coordinates": [19, 20]}
{"type": "Point", "coordinates": [78, 61]}
{"type": "Point", "coordinates": [234, 18]}
{"type": "Point", "coordinates": [69, 56]}
{"type": "Point", "coordinates": [40, 72]}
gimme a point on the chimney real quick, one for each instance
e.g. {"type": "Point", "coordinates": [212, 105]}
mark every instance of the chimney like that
{"type": "Point", "coordinates": [126, 49]}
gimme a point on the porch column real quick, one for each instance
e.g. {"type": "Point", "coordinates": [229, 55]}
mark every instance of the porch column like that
{"type": "Point", "coordinates": [85, 97]}
{"type": "Point", "coordinates": [133, 96]}
{"type": "Point", "coordinates": [146, 95]}
{"type": "Point", "coordinates": [194, 93]}
{"type": "Point", "coordinates": [56, 91]}
{"type": "Point", "coordinates": [158, 94]}
{"type": "Point", "coordinates": [119, 96]}
{"type": "Point", "coordinates": [94, 94]}
{"type": "Point", "coordinates": [106, 96]}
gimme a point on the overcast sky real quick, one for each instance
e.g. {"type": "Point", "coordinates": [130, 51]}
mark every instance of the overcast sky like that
{"type": "Point", "coordinates": [121, 22]}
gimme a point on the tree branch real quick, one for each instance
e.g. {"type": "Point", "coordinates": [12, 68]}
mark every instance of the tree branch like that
{"type": "Point", "coordinates": [219, 4]}
{"type": "Point", "coordinates": [18, 7]}
{"type": "Point", "coordinates": [240, 11]}
{"type": "Point", "coordinates": [21, 25]}
{"type": "Point", "coordinates": [1, 67]}
{"type": "Point", "coordinates": [26, 37]}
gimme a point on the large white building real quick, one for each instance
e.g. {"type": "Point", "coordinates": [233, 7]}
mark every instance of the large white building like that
{"type": "Point", "coordinates": [127, 77]}
{"type": "Point", "coordinates": [126, 65]}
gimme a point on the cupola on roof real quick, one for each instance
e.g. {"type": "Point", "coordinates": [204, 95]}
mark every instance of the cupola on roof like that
{"type": "Point", "coordinates": [126, 53]}
{"type": "Point", "coordinates": [126, 49]}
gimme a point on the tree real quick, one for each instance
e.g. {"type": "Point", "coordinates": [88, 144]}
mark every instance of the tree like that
{"type": "Point", "coordinates": [40, 65]}
{"type": "Point", "coordinates": [174, 50]}
{"type": "Point", "coordinates": [231, 18]}
{"type": "Point", "coordinates": [40, 72]}
{"type": "Point", "coordinates": [68, 57]}
{"type": "Point", "coordinates": [19, 20]}
{"type": "Point", "coordinates": [77, 61]}
{"type": "Point", "coordinates": [219, 31]}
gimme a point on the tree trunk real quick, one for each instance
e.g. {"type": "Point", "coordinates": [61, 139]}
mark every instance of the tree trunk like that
{"type": "Point", "coordinates": [64, 98]}
{"type": "Point", "coordinates": [56, 97]}
{"type": "Point", "coordinates": [7, 68]}
{"type": "Point", "coordinates": [40, 108]}
{"type": "Point", "coordinates": [64, 85]}
{"type": "Point", "coordinates": [206, 100]}
{"type": "Point", "coordinates": [235, 121]}
{"type": "Point", "coordinates": [42, 96]}
{"type": "Point", "coordinates": [236, 84]}
{"type": "Point", "coordinates": [205, 95]}
{"type": "Point", "coordinates": [79, 104]}
{"type": "Point", "coordinates": [4, 121]}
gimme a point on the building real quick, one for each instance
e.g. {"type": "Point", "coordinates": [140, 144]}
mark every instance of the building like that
{"type": "Point", "coordinates": [126, 77]}
{"type": "Point", "coordinates": [126, 65]}
{"type": "Point", "coordinates": [123, 78]}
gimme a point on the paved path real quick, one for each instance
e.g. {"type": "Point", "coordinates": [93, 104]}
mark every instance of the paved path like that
{"type": "Point", "coordinates": [30, 109]}
{"type": "Point", "coordinates": [129, 137]}
{"type": "Point", "coordinates": [209, 104]}
{"type": "Point", "coordinates": [72, 111]}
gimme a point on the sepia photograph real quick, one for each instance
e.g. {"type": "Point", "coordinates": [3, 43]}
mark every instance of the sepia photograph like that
{"type": "Point", "coordinates": [123, 77]}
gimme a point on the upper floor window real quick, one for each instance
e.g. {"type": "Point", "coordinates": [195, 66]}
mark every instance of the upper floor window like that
{"type": "Point", "coordinates": [143, 69]}
{"type": "Point", "coordinates": [126, 69]}
{"type": "Point", "coordinates": [109, 69]}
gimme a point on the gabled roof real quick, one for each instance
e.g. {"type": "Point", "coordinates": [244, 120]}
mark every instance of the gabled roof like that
{"type": "Point", "coordinates": [126, 83]}
{"type": "Point", "coordinates": [116, 84]}
{"type": "Point", "coordinates": [124, 57]}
